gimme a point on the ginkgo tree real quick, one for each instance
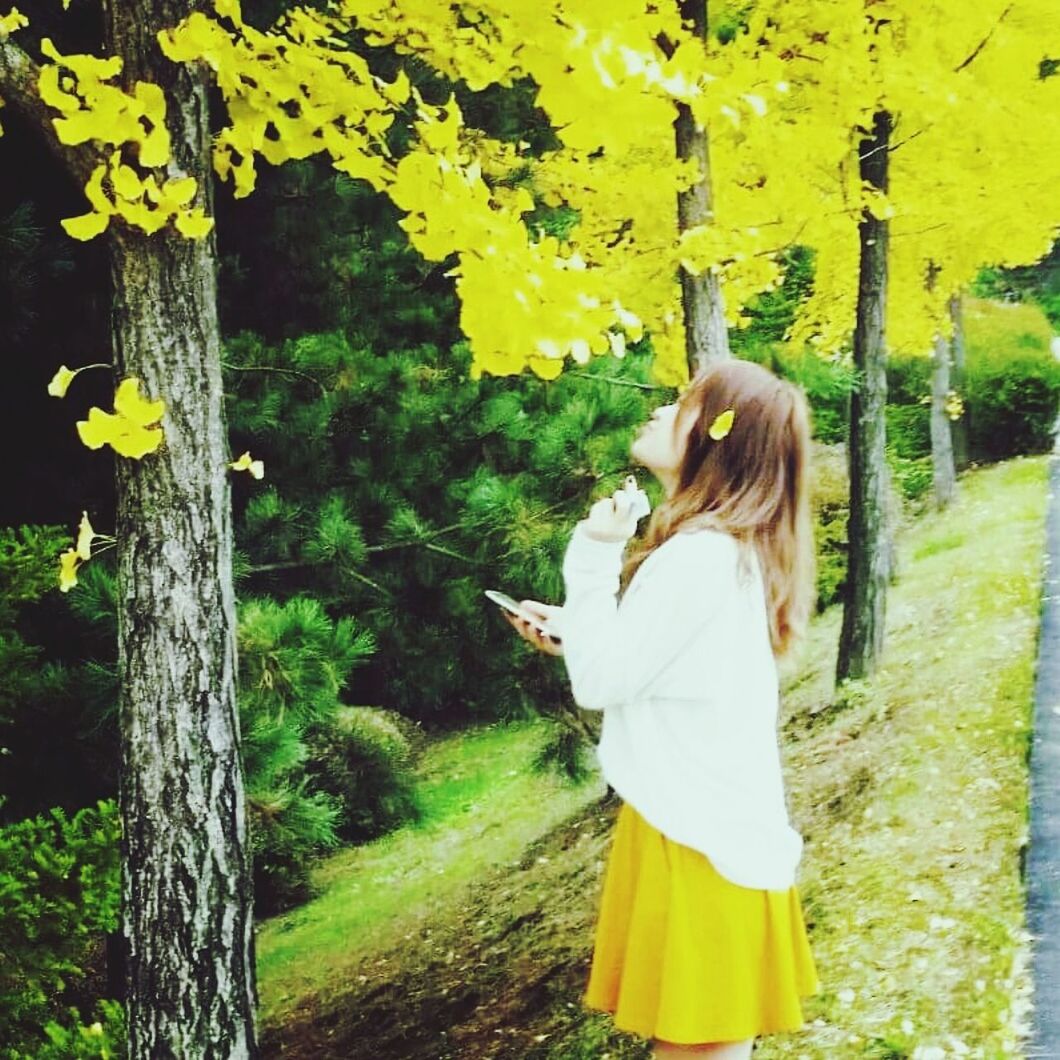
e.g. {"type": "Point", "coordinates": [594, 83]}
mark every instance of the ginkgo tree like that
{"type": "Point", "coordinates": [954, 169]}
{"type": "Point", "coordinates": [132, 128]}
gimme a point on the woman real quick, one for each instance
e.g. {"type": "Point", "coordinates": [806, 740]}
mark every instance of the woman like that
{"type": "Point", "coordinates": [700, 943]}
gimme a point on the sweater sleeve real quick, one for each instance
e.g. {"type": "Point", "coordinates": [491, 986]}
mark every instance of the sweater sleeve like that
{"type": "Point", "coordinates": [613, 653]}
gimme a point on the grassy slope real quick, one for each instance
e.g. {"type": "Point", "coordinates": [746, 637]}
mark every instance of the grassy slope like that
{"type": "Point", "coordinates": [483, 805]}
{"type": "Point", "coordinates": [910, 790]}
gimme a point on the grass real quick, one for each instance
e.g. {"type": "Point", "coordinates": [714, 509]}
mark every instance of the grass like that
{"type": "Point", "coordinates": [914, 801]}
{"type": "Point", "coordinates": [910, 790]}
{"type": "Point", "coordinates": [483, 805]}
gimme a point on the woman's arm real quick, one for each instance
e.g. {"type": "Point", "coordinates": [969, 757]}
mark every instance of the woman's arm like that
{"type": "Point", "coordinates": [612, 654]}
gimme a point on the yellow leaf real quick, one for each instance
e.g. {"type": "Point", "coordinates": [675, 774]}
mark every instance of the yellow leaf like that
{"type": "Point", "coordinates": [12, 21]}
{"type": "Point", "coordinates": [85, 226]}
{"type": "Point", "coordinates": [722, 425]}
{"type": "Point", "coordinates": [52, 94]}
{"type": "Point", "coordinates": [84, 537]}
{"type": "Point", "coordinates": [229, 9]}
{"type": "Point", "coordinates": [124, 437]}
{"type": "Point", "coordinates": [244, 463]}
{"type": "Point", "coordinates": [179, 191]}
{"type": "Point", "coordinates": [138, 214]}
{"type": "Point", "coordinates": [154, 147]}
{"type": "Point", "coordinates": [61, 382]}
{"type": "Point", "coordinates": [136, 409]}
{"type": "Point", "coordinates": [194, 224]}
{"type": "Point", "coordinates": [68, 564]}
{"type": "Point", "coordinates": [94, 191]}
{"type": "Point", "coordinates": [126, 183]}
{"type": "Point", "coordinates": [128, 431]}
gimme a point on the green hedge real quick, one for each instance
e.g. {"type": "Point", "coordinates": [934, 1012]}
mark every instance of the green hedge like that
{"type": "Point", "coordinates": [60, 891]}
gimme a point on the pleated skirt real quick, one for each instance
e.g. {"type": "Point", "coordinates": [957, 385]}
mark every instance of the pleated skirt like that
{"type": "Point", "coordinates": [685, 955]}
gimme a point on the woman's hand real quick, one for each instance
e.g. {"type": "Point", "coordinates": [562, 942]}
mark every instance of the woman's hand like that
{"type": "Point", "coordinates": [541, 641]}
{"type": "Point", "coordinates": [614, 518]}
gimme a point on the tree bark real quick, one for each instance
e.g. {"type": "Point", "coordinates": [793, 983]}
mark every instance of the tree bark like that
{"type": "Point", "coordinates": [186, 888]}
{"type": "Point", "coordinates": [959, 426]}
{"type": "Point", "coordinates": [943, 472]}
{"type": "Point", "coordinates": [702, 302]}
{"type": "Point", "coordinates": [864, 609]}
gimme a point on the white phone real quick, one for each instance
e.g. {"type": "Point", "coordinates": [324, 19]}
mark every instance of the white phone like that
{"type": "Point", "coordinates": [505, 601]}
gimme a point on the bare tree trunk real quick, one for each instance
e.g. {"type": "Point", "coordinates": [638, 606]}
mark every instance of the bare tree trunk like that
{"type": "Point", "coordinates": [864, 609]}
{"type": "Point", "coordinates": [943, 472]}
{"type": "Point", "coordinates": [702, 303]}
{"type": "Point", "coordinates": [959, 426]}
{"type": "Point", "coordinates": [186, 888]}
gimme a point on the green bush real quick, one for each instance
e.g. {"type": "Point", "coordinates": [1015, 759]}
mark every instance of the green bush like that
{"type": "Point", "coordinates": [1011, 403]}
{"type": "Point", "coordinates": [909, 430]}
{"type": "Point", "coordinates": [914, 476]}
{"type": "Point", "coordinates": [364, 758]}
{"type": "Point", "coordinates": [830, 499]}
{"type": "Point", "coordinates": [103, 1039]}
{"type": "Point", "coordinates": [1011, 394]}
{"type": "Point", "coordinates": [59, 891]}
{"type": "Point", "coordinates": [294, 661]}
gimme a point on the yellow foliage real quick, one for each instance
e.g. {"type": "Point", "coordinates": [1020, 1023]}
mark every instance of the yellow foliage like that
{"type": "Point", "coordinates": [72, 558]}
{"type": "Point", "coordinates": [69, 561]}
{"type": "Point", "coordinates": [132, 430]}
{"type": "Point", "coordinates": [61, 381]}
{"type": "Point", "coordinates": [785, 103]}
{"type": "Point", "coordinates": [13, 20]}
{"type": "Point", "coordinates": [244, 463]}
{"type": "Point", "coordinates": [722, 424]}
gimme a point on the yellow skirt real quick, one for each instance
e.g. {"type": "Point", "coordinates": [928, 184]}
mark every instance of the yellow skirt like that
{"type": "Point", "coordinates": [685, 955]}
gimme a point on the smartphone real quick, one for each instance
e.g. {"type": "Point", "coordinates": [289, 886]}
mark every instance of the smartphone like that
{"type": "Point", "coordinates": [505, 601]}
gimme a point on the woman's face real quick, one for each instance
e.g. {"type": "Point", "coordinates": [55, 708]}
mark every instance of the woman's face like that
{"type": "Point", "coordinates": [659, 445]}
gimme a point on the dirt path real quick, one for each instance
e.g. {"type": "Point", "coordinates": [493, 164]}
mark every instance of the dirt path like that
{"type": "Point", "coordinates": [498, 976]}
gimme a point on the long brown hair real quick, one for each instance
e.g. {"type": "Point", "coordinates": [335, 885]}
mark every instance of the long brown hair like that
{"type": "Point", "coordinates": [752, 484]}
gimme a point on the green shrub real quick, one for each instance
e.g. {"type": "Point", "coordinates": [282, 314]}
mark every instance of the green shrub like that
{"type": "Point", "coordinates": [364, 758]}
{"type": "Point", "coordinates": [1012, 404]}
{"type": "Point", "coordinates": [59, 891]}
{"type": "Point", "coordinates": [103, 1039]}
{"type": "Point", "coordinates": [909, 430]}
{"type": "Point", "coordinates": [1010, 392]}
{"type": "Point", "coordinates": [914, 476]}
{"type": "Point", "coordinates": [830, 499]}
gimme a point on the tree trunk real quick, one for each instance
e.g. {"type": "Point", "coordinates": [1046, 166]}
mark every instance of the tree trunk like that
{"type": "Point", "coordinates": [864, 609]}
{"type": "Point", "coordinates": [944, 475]}
{"type": "Point", "coordinates": [959, 426]}
{"type": "Point", "coordinates": [186, 888]}
{"type": "Point", "coordinates": [702, 303]}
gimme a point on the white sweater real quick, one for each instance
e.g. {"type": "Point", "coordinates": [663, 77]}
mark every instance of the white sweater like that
{"type": "Point", "coordinates": [685, 675]}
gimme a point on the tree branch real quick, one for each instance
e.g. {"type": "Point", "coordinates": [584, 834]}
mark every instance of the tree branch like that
{"type": "Point", "coordinates": [982, 44]}
{"type": "Point", "coordinates": [18, 86]}
{"type": "Point", "coordinates": [276, 368]}
{"type": "Point", "coordinates": [616, 382]}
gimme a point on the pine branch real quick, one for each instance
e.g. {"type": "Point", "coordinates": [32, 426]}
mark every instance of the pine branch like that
{"type": "Point", "coordinates": [415, 541]}
{"type": "Point", "coordinates": [617, 382]}
{"type": "Point", "coordinates": [276, 368]}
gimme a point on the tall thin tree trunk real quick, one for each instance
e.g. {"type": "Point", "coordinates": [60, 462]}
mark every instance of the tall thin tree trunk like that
{"type": "Point", "coordinates": [943, 473]}
{"type": "Point", "coordinates": [959, 426]}
{"type": "Point", "coordinates": [864, 609]}
{"type": "Point", "coordinates": [702, 303]}
{"type": "Point", "coordinates": [186, 888]}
